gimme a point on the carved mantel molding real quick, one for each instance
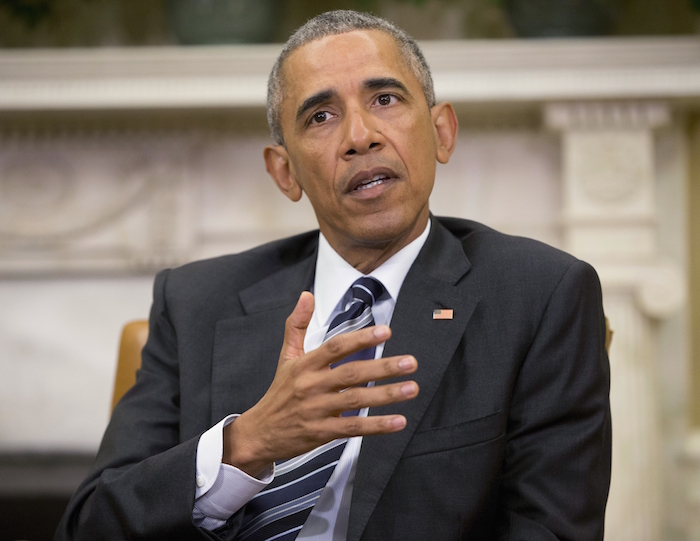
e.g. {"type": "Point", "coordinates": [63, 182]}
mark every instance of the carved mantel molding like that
{"type": "Point", "coordinates": [610, 220]}
{"type": "Point", "coordinates": [519, 71]}
{"type": "Point", "coordinates": [609, 213]}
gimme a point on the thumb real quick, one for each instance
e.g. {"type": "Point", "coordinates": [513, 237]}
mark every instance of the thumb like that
{"type": "Point", "coordinates": [295, 327]}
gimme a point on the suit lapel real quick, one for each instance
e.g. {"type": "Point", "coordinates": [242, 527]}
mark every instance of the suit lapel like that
{"type": "Point", "coordinates": [247, 348]}
{"type": "Point", "coordinates": [434, 281]}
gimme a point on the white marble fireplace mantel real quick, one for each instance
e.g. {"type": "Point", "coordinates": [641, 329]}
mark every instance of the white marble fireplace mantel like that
{"type": "Point", "coordinates": [464, 71]}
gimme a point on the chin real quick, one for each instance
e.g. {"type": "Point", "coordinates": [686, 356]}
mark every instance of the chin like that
{"type": "Point", "coordinates": [383, 231]}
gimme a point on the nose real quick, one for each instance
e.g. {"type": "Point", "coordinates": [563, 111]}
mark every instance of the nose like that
{"type": "Point", "coordinates": [361, 133]}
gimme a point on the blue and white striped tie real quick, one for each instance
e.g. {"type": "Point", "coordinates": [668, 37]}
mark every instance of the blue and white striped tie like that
{"type": "Point", "coordinates": [279, 511]}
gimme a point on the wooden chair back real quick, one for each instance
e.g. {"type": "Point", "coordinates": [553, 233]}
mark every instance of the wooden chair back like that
{"type": "Point", "coordinates": [134, 336]}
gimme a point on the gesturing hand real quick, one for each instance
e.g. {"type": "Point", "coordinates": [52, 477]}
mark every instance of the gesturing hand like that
{"type": "Point", "coordinates": [302, 408]}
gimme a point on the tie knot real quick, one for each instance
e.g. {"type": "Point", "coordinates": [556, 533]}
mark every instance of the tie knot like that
{"type": "Point", "coordinates": [367, 289]}
{"type": "Point", "coordinates": [358, 312]}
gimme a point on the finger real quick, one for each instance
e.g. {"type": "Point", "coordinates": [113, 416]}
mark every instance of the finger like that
{"type": "Point", "coordinates": [357, 398]}
{"type": "Point", "coordinates": [347, 427]}
{"type": "Point", "coordinates": [295, 327]}
{"type": "Point", "coordinates": [342, 345]}
{"type": "Point", "coordinates": [361, 372]}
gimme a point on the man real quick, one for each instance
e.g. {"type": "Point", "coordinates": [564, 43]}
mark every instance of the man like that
{"type": "Point", "coordinates": [480, 413]}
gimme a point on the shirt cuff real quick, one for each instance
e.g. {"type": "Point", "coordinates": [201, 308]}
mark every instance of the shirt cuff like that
{"type": "Point", "coordinates": [223, 489]}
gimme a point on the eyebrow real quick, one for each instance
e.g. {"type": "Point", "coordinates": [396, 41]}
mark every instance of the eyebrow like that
{"type": "Point", "coordinates": [379, 83]}
{"type": "Point", "coordinates": [318, 98]}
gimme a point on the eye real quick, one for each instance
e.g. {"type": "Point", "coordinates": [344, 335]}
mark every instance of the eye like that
{"type": "Point", "coordinates": [319, 117]}
{"type": "Point", "coordinates": [386, 99]}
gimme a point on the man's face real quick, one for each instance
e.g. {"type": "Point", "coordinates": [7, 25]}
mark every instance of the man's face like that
{"type": "Point", "coordinates": [360, 139]}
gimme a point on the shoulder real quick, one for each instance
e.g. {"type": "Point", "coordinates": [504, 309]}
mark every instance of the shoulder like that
{"type": "Point", "coordinates": [485, 246]}
{"type": "Point", "coordinates": [214, 280]}
{"type": "Point", "coordinates": [508, 262]}
{"type": "Point", "coordinates": [259, 261]}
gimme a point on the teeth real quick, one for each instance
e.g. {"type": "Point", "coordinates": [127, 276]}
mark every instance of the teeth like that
{"type": "Point", "coordinates": [374, 181]}
{"type": "Point", "coordinates": [369, 185]}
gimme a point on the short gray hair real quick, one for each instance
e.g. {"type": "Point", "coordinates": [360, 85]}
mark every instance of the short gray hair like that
{"type": "Point", "coordinates": [340, 22]}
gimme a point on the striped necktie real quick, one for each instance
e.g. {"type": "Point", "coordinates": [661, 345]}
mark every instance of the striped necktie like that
{"type": "Point", "coordinates": [279, 511]}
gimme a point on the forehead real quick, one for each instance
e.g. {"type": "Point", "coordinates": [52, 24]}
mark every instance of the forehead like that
{"type": "Point", "coordinates": [343, 61]}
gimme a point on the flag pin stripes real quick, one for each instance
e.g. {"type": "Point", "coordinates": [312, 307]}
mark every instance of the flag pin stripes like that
{"type": "Point", "coordinates": [443, 313]}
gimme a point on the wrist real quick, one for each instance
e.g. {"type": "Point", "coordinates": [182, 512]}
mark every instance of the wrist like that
{"type": "Point", "coordinates": [240, 451]}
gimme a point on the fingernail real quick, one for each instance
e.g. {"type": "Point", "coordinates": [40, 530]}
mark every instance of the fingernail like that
{"type": "Point", "coordinates": [408, 389]}
{"type": "Point", "coordinates": [398, 422]}
{"type": "Point", "coordinates": [381, 331]}
{"type": "Point", "coordinates": [406, 363]}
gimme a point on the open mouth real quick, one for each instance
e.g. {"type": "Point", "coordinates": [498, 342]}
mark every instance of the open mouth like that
{"type": "Point", "coordinates": [376, 180]}
{"type": "Point", "coordinates": [371, 178]}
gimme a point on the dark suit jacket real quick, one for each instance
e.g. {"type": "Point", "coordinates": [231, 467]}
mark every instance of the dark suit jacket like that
{"type": "Point", "coordinates": [509, 437]}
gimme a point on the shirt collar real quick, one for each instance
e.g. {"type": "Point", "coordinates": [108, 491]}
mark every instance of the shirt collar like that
{"type": "Point", "coordinates": [334, 275]}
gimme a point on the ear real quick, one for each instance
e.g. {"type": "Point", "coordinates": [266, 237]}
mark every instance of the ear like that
{"type": "Point", "coordinates": [279, 167]}
{"type": "Point", "coordinates": [446, 127]}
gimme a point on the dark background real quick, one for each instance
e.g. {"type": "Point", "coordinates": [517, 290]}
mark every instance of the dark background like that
{"type": "Point", "coordinates": [89, 23]}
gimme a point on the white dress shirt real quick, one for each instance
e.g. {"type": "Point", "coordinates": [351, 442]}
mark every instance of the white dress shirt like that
{"type": "Point", "coordinates": [223, 489]}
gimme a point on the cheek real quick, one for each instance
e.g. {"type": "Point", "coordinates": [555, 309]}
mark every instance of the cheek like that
{"type": "Point", "coordinates": [320, 154]}
{"type": "Point", "coordinates": [310, 168]}
{"type": "Point", "coordinates": [419, 155]}
{"type": "Point", "coordinates": [313, 179]}
{"type": "Point", "coordinates": [416, 135]}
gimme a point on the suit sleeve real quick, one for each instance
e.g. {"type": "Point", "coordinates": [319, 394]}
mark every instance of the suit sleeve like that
{"type": "Point", "coordinates": [142, 483]}
{"type": "Point", "coordinates": [556, 471]}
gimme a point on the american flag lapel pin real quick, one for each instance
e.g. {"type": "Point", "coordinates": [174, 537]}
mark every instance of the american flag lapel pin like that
{"type": "Point", "coordinates": [443, 313]}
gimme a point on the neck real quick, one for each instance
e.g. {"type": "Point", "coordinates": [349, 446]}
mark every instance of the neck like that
{"type": "Point", "coordinates": [366, 256]}
{"type": "Point", "coordinates": [366, 260]}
